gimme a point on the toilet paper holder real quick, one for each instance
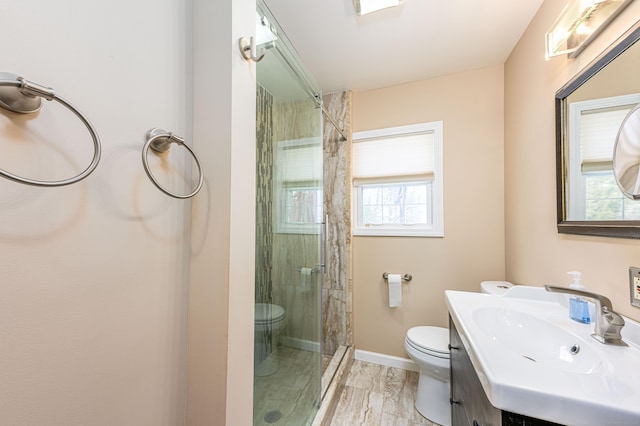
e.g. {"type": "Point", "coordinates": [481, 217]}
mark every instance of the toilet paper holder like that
{"type": "Point", "coordinates": [405, 277]}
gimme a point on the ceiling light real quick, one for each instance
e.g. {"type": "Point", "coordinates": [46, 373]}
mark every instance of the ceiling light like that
{"type": "Point", "coordinates": [367, 6]}
{"type": "Point", "coordinates": [578, 25]}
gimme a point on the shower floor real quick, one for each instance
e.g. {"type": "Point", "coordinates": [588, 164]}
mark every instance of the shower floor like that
{"type": "Point", "coordinates": [289, 396]}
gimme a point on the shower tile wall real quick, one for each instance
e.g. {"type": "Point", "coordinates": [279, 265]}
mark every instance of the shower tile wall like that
{"type": "Point", "coordinates": [264, 195]}
{"type": "Point", "coordinates": [264, 214]}
{"type": "Point", "coordinates": [278, 279]}
{"type": "Point", "coordinates": [336, 290]}
{"type": "Point", "coordinates": [296, 120]}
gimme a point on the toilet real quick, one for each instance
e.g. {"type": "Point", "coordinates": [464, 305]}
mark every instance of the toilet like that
{"type": "Point", "coordinates": [495, 287]}
{"type": "Point", "coordinates": [269, 320]}
{"type": "Point", "coordinates": [428, 347]}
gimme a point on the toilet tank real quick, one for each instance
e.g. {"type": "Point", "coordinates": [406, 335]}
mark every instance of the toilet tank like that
{"type": "Point", "coordinates": [495, 287]}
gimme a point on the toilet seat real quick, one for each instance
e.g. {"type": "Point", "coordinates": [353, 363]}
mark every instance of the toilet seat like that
{"type": "Point", "coordinates": [266, 312]}
{"type": "Point", "coordinates": [429, 340]}
{"type": "Point", "coordinates": [269, 315]}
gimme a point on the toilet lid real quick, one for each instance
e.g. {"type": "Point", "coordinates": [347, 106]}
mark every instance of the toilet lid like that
{"type": "Point", "coordinates": [433, 339]}
{"type": "Point", "coordinates": [265, 312]}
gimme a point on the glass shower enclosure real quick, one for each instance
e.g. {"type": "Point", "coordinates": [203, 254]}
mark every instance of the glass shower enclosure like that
{"type": "Point", "coordinates": [289, 233]}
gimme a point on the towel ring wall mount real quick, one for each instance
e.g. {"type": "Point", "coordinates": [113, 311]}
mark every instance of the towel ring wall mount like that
{"type": "Point", "coordinates": [18, 98]}
{"type": "Point", "coordinates": [160, 141]}
{"type": "Point", "coordinates": [25, 97]}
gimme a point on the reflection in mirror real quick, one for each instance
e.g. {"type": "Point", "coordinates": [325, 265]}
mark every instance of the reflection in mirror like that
{"type": "Point", "coordinates": [590, 110]}
{"type": "Point", "coordinates": [592, 190]}
{"type": "Point", "coordinates": [626, 155]}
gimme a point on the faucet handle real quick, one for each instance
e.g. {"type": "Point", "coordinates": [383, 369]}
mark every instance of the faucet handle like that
{"type": "Point", "coordinates": [610, 325]}
{"type": "Point", "coordinates": [613, 318]}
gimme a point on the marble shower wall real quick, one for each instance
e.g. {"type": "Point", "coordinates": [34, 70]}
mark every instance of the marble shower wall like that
{"type": "Point", "coordinates": [279, 256]}
{"type": "Point", "coordinates": [294, 120]}
{"type": "Point", "coordinates": [337, 312]}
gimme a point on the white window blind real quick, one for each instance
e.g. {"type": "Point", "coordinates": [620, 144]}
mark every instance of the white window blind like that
{"type": "Point", "coordinates": [598, 131]}
{"type": "Point", "coordinates": [300, 162]}
{"type": "Point", "coordinates": [397, 181]}
{"type": "Point", "coordinates": [398, 158]}
{"type": "Point", "coordinates": [298, 185]}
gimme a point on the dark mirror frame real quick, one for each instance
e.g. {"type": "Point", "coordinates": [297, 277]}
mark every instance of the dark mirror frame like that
{"type": "Point", "coordinates": [610, 228]}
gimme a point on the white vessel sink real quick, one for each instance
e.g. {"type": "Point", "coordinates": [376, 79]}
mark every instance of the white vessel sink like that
{"type": "Point", "coordinates": [533, 360]}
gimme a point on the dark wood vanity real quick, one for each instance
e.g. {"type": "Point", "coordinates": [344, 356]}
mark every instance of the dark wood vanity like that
{"type": "Point", "coordinates": [469, 403]}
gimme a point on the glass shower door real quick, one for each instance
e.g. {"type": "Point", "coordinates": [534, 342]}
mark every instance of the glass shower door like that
{"type": "Point", "coordinates": [289, 234]}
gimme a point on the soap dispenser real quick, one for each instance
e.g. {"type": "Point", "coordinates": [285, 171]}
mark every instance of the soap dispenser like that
{"type": "Point", "coordinates": [578, 306]}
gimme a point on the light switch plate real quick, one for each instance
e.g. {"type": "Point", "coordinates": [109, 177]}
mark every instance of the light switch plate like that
{"type": "Point", "coordinates": [634, 283]}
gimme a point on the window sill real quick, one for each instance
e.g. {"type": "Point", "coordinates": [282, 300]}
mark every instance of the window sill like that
{"type": "Point", "coordinates": [313, 229]}
{"type": "Point", "coordinates": [428, 233]}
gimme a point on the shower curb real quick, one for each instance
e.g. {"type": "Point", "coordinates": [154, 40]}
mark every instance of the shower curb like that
{"type": "Point", "coordinates": [329, 400]}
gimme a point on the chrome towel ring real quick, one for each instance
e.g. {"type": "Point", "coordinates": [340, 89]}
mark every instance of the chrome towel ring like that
{"type": "Point", "coordinates": [160, 141]}
{"type": "Point", "coordinates": [25, 97]}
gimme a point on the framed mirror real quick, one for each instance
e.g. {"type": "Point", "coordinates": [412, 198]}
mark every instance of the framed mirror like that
{"type": "Point", "coordinates": [590, 112]}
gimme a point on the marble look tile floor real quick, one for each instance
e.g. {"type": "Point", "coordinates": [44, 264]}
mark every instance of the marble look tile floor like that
{"type": "Point", "coordinates": [375, 395]}
{"type": "Point", "coordinates": [289, 396]}
{"type": "Point", "coordinates": [326, 360]}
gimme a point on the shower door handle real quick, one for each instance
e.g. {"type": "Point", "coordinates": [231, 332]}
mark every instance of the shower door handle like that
{"type": "Point", "coordinates": [324, 231]}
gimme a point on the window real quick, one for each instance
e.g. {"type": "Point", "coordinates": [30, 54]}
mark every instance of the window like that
{"type": "Point", "coordinates": [397, 181]}
{"type": "Point", "coordinates": [298, 186]}
{"type": "Point", "coordinates": [593, 191]}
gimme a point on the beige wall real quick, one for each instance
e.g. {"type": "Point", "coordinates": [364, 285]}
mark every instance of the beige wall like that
{"type": "Point", "coordinates": [471, 107]}
{"type": "Point", "coordinates": [220, 373]}
{"type": "Point", "coordinates": [94, 284]}
{"type": "Point", "coordinates": [93, 276]}
{"type": "Point", "coordinates": [535, 253]}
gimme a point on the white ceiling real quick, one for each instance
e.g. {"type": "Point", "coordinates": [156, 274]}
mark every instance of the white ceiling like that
{"type": "Point", "coordinates": [419, 40]}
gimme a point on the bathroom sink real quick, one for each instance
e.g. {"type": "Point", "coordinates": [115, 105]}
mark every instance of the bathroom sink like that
{"type": "Point", "coordinates": [537, 341]}
{"type": "Point", "coordinates": [533, 360]}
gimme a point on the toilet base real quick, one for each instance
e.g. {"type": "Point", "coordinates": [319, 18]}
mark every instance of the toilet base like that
{"type": "Point", "coordinates": [269, 365]}
{"type": "Point", "coordinates": [432, 400]}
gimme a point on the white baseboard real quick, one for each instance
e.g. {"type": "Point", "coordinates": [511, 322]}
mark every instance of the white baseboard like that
{"type": "Point", "coordinates": [386, 360]}
{"type": "Point", "coordinates": [372, 357]}
{"type": "Point", "coordinates": [305, 345]}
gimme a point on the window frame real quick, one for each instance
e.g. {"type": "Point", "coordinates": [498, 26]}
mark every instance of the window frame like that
{"type": "Point", "coordinates": [576, 187]}
{"type": "Point", "coordinates": [436, 228]}
{"type": "Point", "coordinates": [280, 186]}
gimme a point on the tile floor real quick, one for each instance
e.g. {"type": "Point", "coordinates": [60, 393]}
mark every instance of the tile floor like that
{"type": "Point", "coordinates": [326, 360]}
{"type": "Point", "coordinates": [372, 394]}
{"type": "Point", "coordinates": [375, 395]}
{"type": "Point", "coordinates": [289, 396]}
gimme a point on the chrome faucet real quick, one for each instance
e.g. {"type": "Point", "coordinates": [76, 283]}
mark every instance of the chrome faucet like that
{"type": "Point", "coordinates": [608, 323]}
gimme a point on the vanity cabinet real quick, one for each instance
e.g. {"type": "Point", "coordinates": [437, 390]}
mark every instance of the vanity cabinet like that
{"type": "Point", "coordinates": [469, 403]}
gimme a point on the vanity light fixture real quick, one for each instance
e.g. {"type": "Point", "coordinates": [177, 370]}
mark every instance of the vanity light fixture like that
{"type": "Point", "coordinates": [367, 6]}
{"type": "Point", "coordinates": [579, 23]}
